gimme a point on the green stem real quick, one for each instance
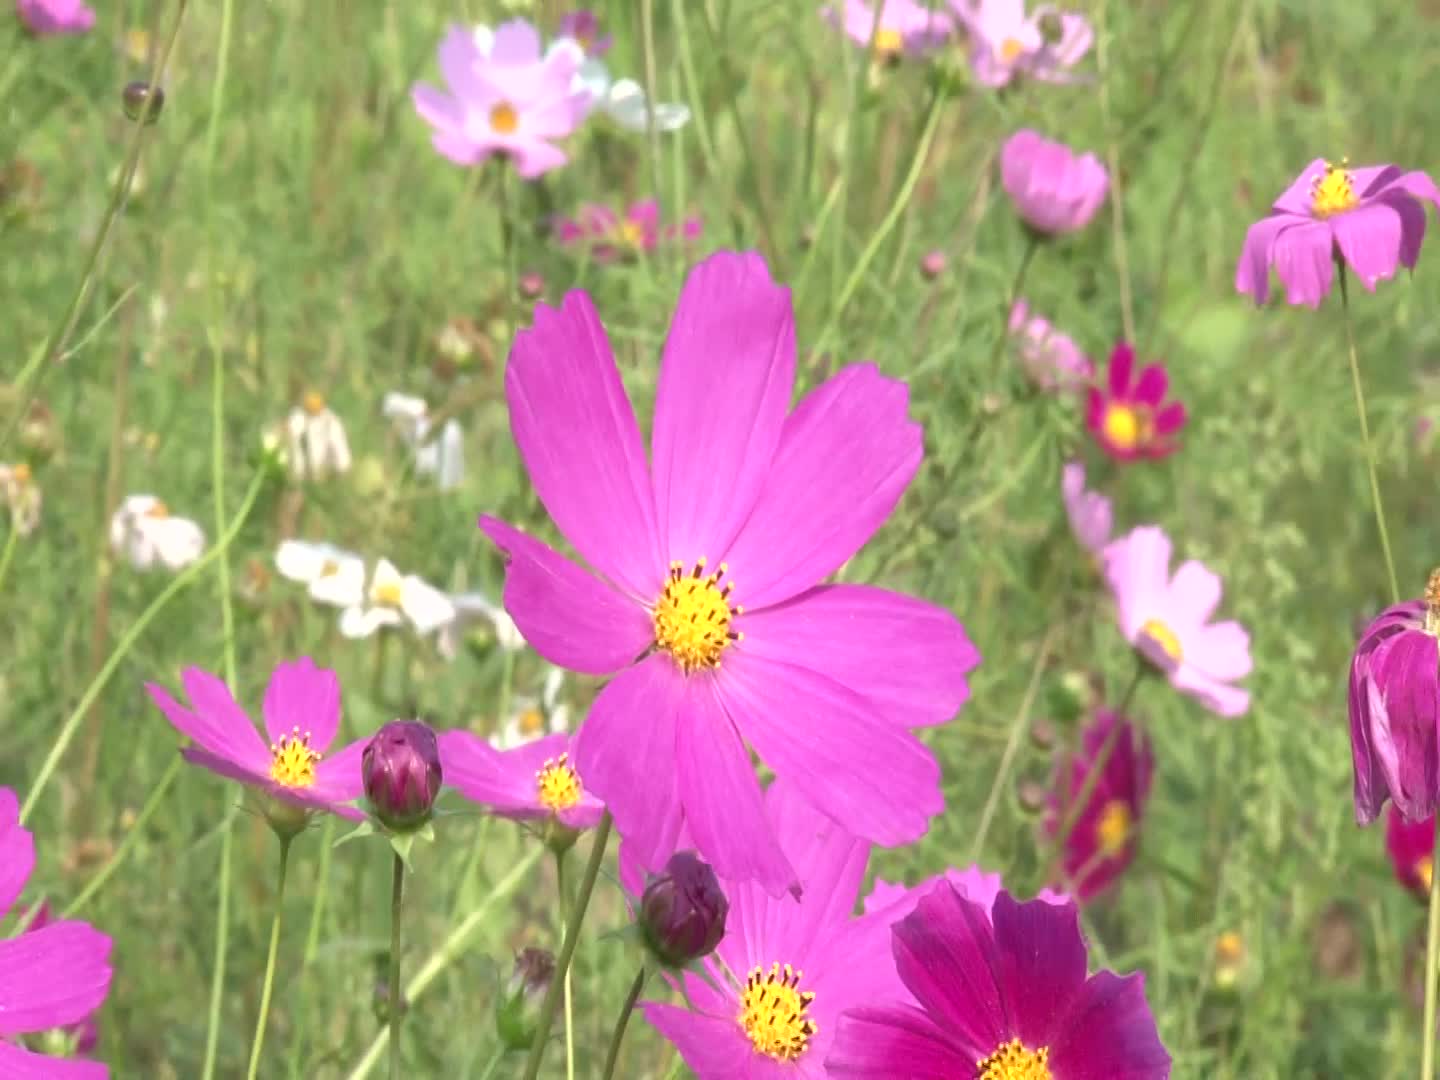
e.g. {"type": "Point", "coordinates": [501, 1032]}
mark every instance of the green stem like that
{"type": "Point", "coordinates": [647, 40]}
{"type": "Point", "coordinates": [569, 1003]}
{"type": "Point", "coordinates": [259, 1041]}
{"type": "Point", "coordinates": [312, 939]}
{"type": "Point", "coordinates": [396, 992]}
{"type": "Point", "coordinates": [1432, 963]}
{"type": "Point", "coordinates": [493, 1063]}
{"type": "Point", "coordinates": [11, 539]}
{"type": "Point", "coordinates": [612, 1055]}
{"type": "Point", "coordinates": [567, 950]}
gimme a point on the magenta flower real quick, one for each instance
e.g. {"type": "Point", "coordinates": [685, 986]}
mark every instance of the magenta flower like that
{"type": "Point", "coordinates": [1168, 620]}
{"type": "Point", "coordinates": [533, 782]}
{"type": "Point", "coordinates": [1411, 847]}
{"type": "Point", "coordinates": [53, 976]}
{"type": "Point", "coordinates": [302, 715]}
{"type": "Point", "coordinates": [610, 237]}
{"type": "Point", "coordinates": [973, 883]}
{"type": "Point", "coordinates": [1054, 191]}
{"type": "Point", "coordinates": [85, 1034]}
{"type": "Point", "coordinates": [785, 970]}
{"type": "Point", "coordinates": [505, 97]}
{"type": "Point", "coordinates": [1131, 421]}
{"type": "Point", "coordinates": [1372, 218]}
{"type": "Point", "coordinates": [906, 26]}
{"type": "Point", "coordinates": [1005, 42]}
{"type": "Point", "coordinates": [583, 27]}
{"type": "Point", "coordinates": [1051, 359]}
{"type": "Point", "coordinates": [742, 504]}
{"type": "Point", "coordinates": [46, 17]}
{"type": "Point", "coordinates": [1091, 516]}
{"type": "Point", "coordinates": [1106, 833]}
{"type": "Point", "coordinates": [1007, 998]}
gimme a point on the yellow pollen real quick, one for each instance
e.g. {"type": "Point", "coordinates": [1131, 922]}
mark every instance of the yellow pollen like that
{"type": "Point", "coordinates": [773, 1012]}
{"type": "Point", "coordinates": [630, 234]}
{"type": "Point", "coordinates": [292, 761]}
{"type": "Point", "coordinates": [329, 568]}
{"type": "Point", "coordinates": [158, 510]}
{"type": "Point", "coordinates": [1113, 828]}
{"type": "Point", "coordinates": [888, 41]}
{"type": "Point", "coordinates": [1010, 50]}
{"type": "Point", "coordinates": [1012, 1061]}
{"type": "Point", "coordinates": [21, 473]}
{"type": "Point", "coordinates": [530, 722]}
{"type": "Point", "coordinates": [692, 617]}
{"type": "Point", "coordinates": [558, 784]}
{"type": "Point", "coordinates": [1128, 426]}
{"type": "Point", "coordinates": [1229, 947]}
{"type": "Point", "coordinates": [313, 403]}
{"type": "Point", "coordinates": [1334, 192]}
{"type": "Point", "coordinates": [1166, 638]}
{"type": "Point", "coordinates": [387, 594]}
{"type": "Point", "coordinates": [504, 119]}
{"type": "Point", "coordinates": [1425, 871]}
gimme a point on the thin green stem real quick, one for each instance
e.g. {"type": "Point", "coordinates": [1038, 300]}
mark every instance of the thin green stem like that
{"type": "Point", "coordinates": [1432, 964]}
{"type": "Point", "coordinates": [647, 41]}
{"type": "Point", "coordinates": [312, 938]}
{"type": "Point", "coordinates": [396, 992]}
{"type": "Point", "coordinates": [612, 1055]}
{"type": "Point", "coordinates": [560, 857]}
{"type": "Point", "coordinates": [493, 1063]}
{"type": "Point", "coordinates": [258, 1043]}
{"type": "Point", "coordinates": [11, 539]}
{"type": "Point", "coordinates": [567, 950]}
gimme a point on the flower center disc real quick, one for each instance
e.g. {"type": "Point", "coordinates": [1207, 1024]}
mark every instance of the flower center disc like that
{"type": "Point", "coordinates": [1333, 193]}
{"type": "Point", "coordinates": [1112, 829]}
{"type": "Point", "coordinates": [292, 761]}
{"type": "Point", "coordinates": [1128, 427]}
{"type": "Point", "coordinates": [313, 403]}
{"type": "Point", "coordinates": [888, 41]}
{"type": "Point", "coordinates": [1011, 1061]}
{"type": "Point", "coordinates": [558, 784]}
{"type": "Point", "coordinates": [1166, 638]}
{"type": "Point", "coordinates": [692, 617]}
{"type": "Point", "coordinates": [503, 119]}
{"type": "Point", "coordinates": [773, 1012]}
{"type": "Point", "coordinates": [1010, 50]}
{"type": "Point", "coordinates": [387, 594]}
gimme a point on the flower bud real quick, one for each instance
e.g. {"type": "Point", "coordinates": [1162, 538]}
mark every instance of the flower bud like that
{"type": "Point", "coordinates": [518, 1010]}
{"type": "Point", "coordinates": [932, 264]}
{"type": "Point", "coordinates": [532, 285]}
{"type": "Point", "coordinates": [142, 102]}
{"type": "Point", "coordinates": [401, 771]}
{"type": "Point", "coordinates": [682, 913]}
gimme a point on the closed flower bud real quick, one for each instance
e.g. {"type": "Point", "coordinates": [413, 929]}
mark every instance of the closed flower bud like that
{"type": "Point", "coordinates": [682, 913]}
{"type": "Point", "coordinates": [401, 771]}
{"type": "Point", "coordinates": [519, 1007]}
{"type": "Point", "coordinates": [142, 101]}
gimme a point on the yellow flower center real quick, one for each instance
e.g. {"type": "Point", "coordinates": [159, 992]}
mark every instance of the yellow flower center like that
{"type": "Point", "coordinates": [387, 594]}
{"type": "Point", "coordinates": [888, 41]}
{"type": "Point", "coordinates": [1334, 192]}
{"type": "Point", "coordinates": [558, 784]}
{"type": "Point", "coordinates": [158, 510]}
{"type": "Point", "coordinates": [692, 617]}
{"type": "Point", "coordinates": [630, 234]}
{"type": "Point", "coordinates": [530, 722]}
{"type": "Point", "coordinates": [1166, 638]}
{"type": "Point", "coordinates": [313, 402]}
{"type": "Point", "coordinates": [1113, 828]}
{"type": "Point", "coordinates": [292, 761]}
{"type": "Point", "coordinates": [1128, 426]}
{"type": "Point", "coordinates": [504, 119]}
{"type": "Point", "coordinates": [21, 473]}
{"type": "Point", "coordinates": [1010, 50]}
{"type": "Point", "coordinates": [329, 568]}
{"type": "Point", "coordinates": [1425, 871]}
{"type": "Point", "coordinates": [1012, 1061]}
{"type": "Point", "coordinates": [1229, 947]}
{"type": "Point", "coordinates": [773, 1012]}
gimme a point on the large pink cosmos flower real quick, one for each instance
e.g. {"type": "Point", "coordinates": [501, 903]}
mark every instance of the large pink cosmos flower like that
{"type": "Point", "coordinates": [53, 976]}
{"type": "Point", "coordinates": [1005, 42]}
{"type": "Point", "coordinates": [611, 236]}
{"type": "Point", "coordinates": [505, 97]}
{"type": "Point", "coordinates": [1167, 620]}
{"type": "Point", "coordinates": [1054, 189]}
{"type": "Point", "coordinates": [906, 26]}
{"type": "Point", "coordinates": [741, 504]}
{"type": "Point", "coordinates": [533, 782]}
{"type": "Point", "coordinates": [1131, 420]}
{"type": "Point", "coordinates": [46, 17]}
{"type": "Point", "coordinates": [302, 715]}
{"type": "Point", "coordinates": [1373, 218]}
{"type": "Point", "coordinates": [1411, 847]}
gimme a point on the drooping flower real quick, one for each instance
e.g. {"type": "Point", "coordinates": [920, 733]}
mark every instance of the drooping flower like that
{"type": "Point", "coordinates": [55, 975]}
{"type": "Point", "coordinates": [1052, 360]}
{"type": "Point", "coordinates": [1091, 516]}
{"type": "Point", "coordinates": [46, 17]}
{"type": "Point", "coordinates": [302, 715]}
{"type": "Point", "coordinates": [331, 574]}
{"type": "Point", "coordinates": [83, 1036]}
{"type": "Point", "coordinates": [1054, 189]}
{"type": "Point", "coordinates": [745, 504]}
{"type": "Point", "coordinates": [906, 26]}
{"type": "Point", "coordinates": [1372, 218]}
{"type": "Point", "coordinates": [1411, 847]}
{"type": "Point", "coordinates": [1168, 620]}
{"type": "Point", "coordinates": [442, 456]}
{"type": "Point", "coordinates": [471, 608]}
{"type": "Point", "coordinates": [318, 446]}
{"type": "Point", "coordinates": [1130, 420]}
{"type": "Point", "coordinates": [22, 497]}
{"type": "Point", "coordinates": [533, 718]}
{"type": "Point", "coordinates": [505, 97]}
{"type": "Point", "coordinates": [1000, 997]}
{"type": "Point", "coordinates": [517, 1011]}
{"type": "Point", "coordinates": [1005, 42]}
{"type": "Point", "coordinates": [536, 781]}
{"type": "Point", "coordinates": [401, 771]}
{"type": "Point", "coordinates": [1105, 833]}
{"type": "Point", "coordinates": [583, 27]}
{"type": "Point", "coordinates": [973, 883]}
{"type": "Point", "coordinates": [394, 599]}
{"type": "Point", "coordinates": [609, 236]}
{"type": "Point", "coordinates": [146, 534]}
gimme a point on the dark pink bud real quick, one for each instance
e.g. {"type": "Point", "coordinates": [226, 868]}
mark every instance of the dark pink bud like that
{"type": "Point", "coordinates": [932, 264]}
{"type": "Point", "coordinates": [401, 771]}
{"type": "Point", "coordinates": [682, 914]}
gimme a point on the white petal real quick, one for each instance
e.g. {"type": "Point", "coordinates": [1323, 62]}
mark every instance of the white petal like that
{"type": "Point", "coordinates": [565, 45]}
{"type": "Point", "coordinates": [424, 605]}
{"type": "Point", "coordinates": [506, 632]}
{"type": "Point", "coordinates": [484, 38]}
{"type": "Point", "coordinates": [403, 406]}
{"type": "Point", "coordinates": [178, 541]}
{"type": "Point", "coordinates": [594, 78]}
{"type": "Point", "coordinates": [385, 574]}
{"type": "Point", "coordinates": [550, 690]}
{"type": "Point", "coordinates": [357, 622]}
{"type": "Point", "coordinates": [344, 586]}
{"type": "Point", "coordinates": [302, 560]}
{"type": "Point", "coordinates": [560, 718]}
{"type": "Point", "coordinates": [450, 472]}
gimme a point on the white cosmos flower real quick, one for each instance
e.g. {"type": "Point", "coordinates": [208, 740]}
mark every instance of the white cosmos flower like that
{"type": "Point", "coordinates": [145, 532]}
{"type": "Point", "coordinates": [334, 576]}
{"type": "Point", "coordinates": [22, 495]}
{"type": "Point", "coordinates": [442, 457]}
{"type": "Point", "coordinates": [392, 599]}
{"type": "Point", "coordinates": [471, 608]}
{"type": "Point", "coordinates": [318, 445]}
{"type": "Point", "coordinates": [532, 719]}
{"type": "Point", "coordinates": [623, 100]}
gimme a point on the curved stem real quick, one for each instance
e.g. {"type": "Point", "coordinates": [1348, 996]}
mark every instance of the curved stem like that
{"type": "Point", "coordinates": [396, 991]}
{"type": "Point", "coordinates": [612, 1055]}
{"type": "Point", "coordinates": [259, 1042]}
{"type": "Point", "coordinates": [1432, 963]}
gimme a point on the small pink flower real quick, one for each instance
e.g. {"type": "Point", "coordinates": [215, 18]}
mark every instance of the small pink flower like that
{"type": "Point", "coordinates": [1054, 190]}
{"type": "Point", "coordinates": [533, 782]}
{"type": "Point", "coordinates": [583, 27]}
{"type": "Point", "coordinates": [1005, 42]}
{"type": "Point", "coordinates": [1131, 421]}
{"type": "Point", "coordinates": [906, 26]}
{"type": "Point", "coordinates": [1167, 620]}
{"type": "Point", "coordinates": [1373, 218]}
{"type": "Point", "coordinates": [47, 17]}
{"type": "Point", "coordinates": [611, 237]}
{"type": "Point", "coordinates": [1051, 359]}
{"type": "Point", "coordinates": [1411, 847]}
{"type": "Point", "coordinates": [1091, 516]}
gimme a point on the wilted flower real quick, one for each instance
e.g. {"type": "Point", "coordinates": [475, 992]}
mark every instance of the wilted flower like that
{"type": "Point", "coordinates": [393, 599]}
{"type": "Point", "coordinates": [1411, 847]}
{"type": "Point", "coordinates": [45, 17]}
{"type": "Point", "coordinates": [1005, 42]}
{"type": "Point", "coordinates": [145, 532]}
{"type": "Point", "coordinates": [22, 496]}
{"type": "Point", "coordinates": [1051, 359]}
{"type": "Point", "coordinates": [682, 911]}
{"type": "Point", "coordinates": [533, 782]}
{"type": "Point", "coordinates": [1053, 189]}
{"type": "Point", "coordinates": [906, 26]}
{"type": "Point", "coordinates": [333, 575]}
{"type": "Point", "coordinates": [1089, 512]}
{"type": "Point", "coordinates": [470, 608]}
{"type": "Point", "coordinates": [517, 1013]}
{"type": "Point", "coordinates": [609, 236]}
{"type": "Point", "coordinates": [318, 445]}
{"type": "Point", "coordinates": [1129, 420]}
{"type": "Point", "coordinates": [442, 456]}
{"type": "Point", "coordinates": [401, 772]}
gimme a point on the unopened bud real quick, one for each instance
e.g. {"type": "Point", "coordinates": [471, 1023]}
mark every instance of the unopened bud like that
{"type": "Point", "coordinates": [1032, 796]}
{"type": "Point", "coordinates": [532, 285]}
{"type": "Point", "coordinates": [1052, 28]}
{"type": "Point", "coordinates": [142, 102]}
{"type": "Point", "coordinates": [518, 1011]}
{"type": "Point", "coordinates": [401, 771]}
{"type": "Point", "coordinates": [682, 913]}
{"type": "Point", "coordinates": [932, 264]}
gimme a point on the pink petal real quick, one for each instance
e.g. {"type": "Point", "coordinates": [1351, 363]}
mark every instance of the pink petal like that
{"type": "Point", "coordinates": [1219, 697]}
{"type": "Point", "coordinates": [17, 1063]}
{"type": "Point", "coordinates": [1297, 198]}
{"type": "Point", "coordinates": [1369, 239]}
{"type": "Point", "coordinates": [1194, 595]}
{"type": "Point", "coordinates": [846, 456]}
{"type": "Point", "coordinates": [1110, 1032]}
{"type": "Point", "coordinates": [870, 1041]}
{"type": "Point", "coordinates": [51, 977]}
{"type": "Point", "coordinates": [304, 698]}
{"type": "Point", "coordinates": [221, 765]}
{"type": "Point", "coordinates": [17, 860]}
{"type": "Point", "coordinates": [1042, 964]}
{"type": "Point", "coordinates": [216, 722]}
{"type": "Point", "coordinates": [1252, 272]}
{"type": "Point", "coordinates": [725, 383]}
{"type": "Point", "coordinates": [565, 614]}
{"type": "Point", "coordinates": [1170, 419]}
{"type": "Point", "coordinates": [1122, 361]}
{"type": "Point", "coordinates": [577, 435]}
{"type": "Point", "coordinates": [533, 158]}
{"type": "Point", "coordinates": [1303, 257]}
{"type": "Point", "coordinates": [1222, 651]}
{"type": "Point", "coordinates": [460, 61]}
{"type": "Point", "coordinates": [338, 777]}
{"type": "Point", "coordinates": [437, 108]}
{"type": "Point", "coordinates": [1150, 390]}
{"type": "Point", "coordinates": [712, 1046]}
{"type": "Point", "coordinates": [1137, 567]}
{"type": "Point", "coordinates": [1412, 228]}
{"type": "Point", "coordinates": [516, 42]}
{"type": "Point", "coordinates": [460, 149]}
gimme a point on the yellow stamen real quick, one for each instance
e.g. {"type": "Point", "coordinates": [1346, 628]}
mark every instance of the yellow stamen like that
{"type": "Point", "coordinates": [1425, 871]}
{"type": "Point", "coordinates": [1112, 830]}
{"type": "Point", "coordinates": [693, 615]}
{"type": "Point", "coordinates": [1012, 1061]}
{"type": "Point", "coordinates": [1010, 50]}
{"type": "Point", "coordinates": [558, 784]}
{"type": "Point", "coordinates": [292, 761]}
{"type": "Point", "coordinates": [313, 402]}
{"type": "Point", "coordinates": [530, 722]}
{"type": "Point", "coordinates": [630, 234]}
{"type": "Point", "coordinates": [1229, 947]}
{"type": "Point", "coordinates": [504, 119]}
{"type": "Point", "coordinates": [329, 568]}
{"type": "Point", "coordinates": [1128, 426]}
{"type": "Point", "coordinates": [1166, 638]}
{"type": "Point", "coordinates": [1334, 192]}
{"type": "Point", "coordinates": [21, 473]}
{"type": "Point", "coordinates": [158, 510]}
{"type": "Point", "coordinates": [773, 1012]}
{"type": "Point", "coordinates": [888, 41]}
{"type": "Point", "coordinates": [387, 594]}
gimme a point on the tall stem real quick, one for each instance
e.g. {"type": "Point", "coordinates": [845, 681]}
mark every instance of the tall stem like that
{"type": "Point", "coordinates": [569, 1002]}
{"type": "Point", "coordinates": [617, 1036]}
{"type": "Point", "coordinates": [1432, 964]}
{"type": "Point", "coordinates": [259, 1042]}
{"type": "Point", "coordinates": [396, 991]}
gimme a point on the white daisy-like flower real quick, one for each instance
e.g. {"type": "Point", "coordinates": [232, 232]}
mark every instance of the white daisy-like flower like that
{"type": "Point", "coordinates": [531, 718]}
{"type": "Point", "coordinates": [145, 532]}
{"type": "Point", "coordinates": [442, 456]}
{"type": "Point", "coordinates": [392, 599]}
{"type": "Point", "coordinates": [624, 101]}
{"type": "Point", "coordinates": [22, 496]}
{"type": "Point", "coordinates": [318, 445]}
{"type": "Point", "coordinates": [473, 607]}
{"type": "Point", "coordinates": [333, 575]}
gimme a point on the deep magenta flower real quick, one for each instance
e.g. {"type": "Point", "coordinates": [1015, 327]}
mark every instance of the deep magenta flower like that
{"type": "Point", "coordinates": [505, 97]}
{"type": "Point", "coordinates": [1090, 513]}
{"type": "Point", "coordinates": [1000, 997]}
{"type": "Point", "coordinates": [532, 782]}
{"type": "Point", "coordinates": [46, 17]}
{"type": "Point", "coordinates": [302, 715]}
{"type": "Point", "coordinates": [1106, 834]}
{"type": "Point", "coordinates": [1130, 420]}
{"type": "Point", "coordinates": [583, 27]}
{"type": "Point", "coordinates": [1054, 189]}
{"type": "Point", "coordinates": [742, 505]}
{"type": "Point", "coordinates": [610, 237]}
{"type": "Point", "coordinates": [976, 885]}
{"type": "Point", "coordinates": [1052, 360]}
{"type": "Point", "coordinates": [1005, 42]}
{"type": "Point", "coordinates": [54, 976]}
{"type": "Point", "coordinates": [1373, 218]}
{"type": "Point", "coordinates": [400, 769]}
{"type": "Point", "coordinates": [906, 26]}
{"type": "Point", "coordinates": [1167, 620]}
{"type": "Point", "coordinates": [1411, 847]}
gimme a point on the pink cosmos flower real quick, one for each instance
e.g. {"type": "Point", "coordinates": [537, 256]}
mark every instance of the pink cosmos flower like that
{"type": "Point", "coordinates": [505, 97]}
{"type": "Point", "coordinates": [973, 883]}
{"type": "Point", "coordinates": [583, 27]}
{"type": "Point", "coordinates": [1005, 42]}
{"type": "Point", "coordinates": [1372, 218]}
{"type": "Point", "coordinates": [53, 976]}
{"type": "Point", "coordinates": [533, 782]}
{"type": "Point", "coordinates": [906, 26]}
{"type": "Point", "coordinates": [1105, 836]}
{"type": "Point", "coordinates": [1000, 995]}
{"type": "Point", "coordinates": [739, 504]}
{"type": "Point", "coordinates": [612, 237]}
{"type": "Point", "coordinates": [85, 1033]}
{"type": "Point", "coordinates": [1054, 190]}
{"type": "Point", "coordinates": [1411, 847]}
{"type": "Point", "coordinates": [302, 715]}
{"type": "Point", "coordinates": [1051, 359]}
{"type": "Point", "coordinates": [1091, 516]}
{"type": "Point", "coordinates": [47, 17]}
{"type": "Point", "coordinates": [1168, 620]}
{"type": "Point", "coordinates": [785, 970]}
{"type": "Point", "coordinates": [1131, 421]}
